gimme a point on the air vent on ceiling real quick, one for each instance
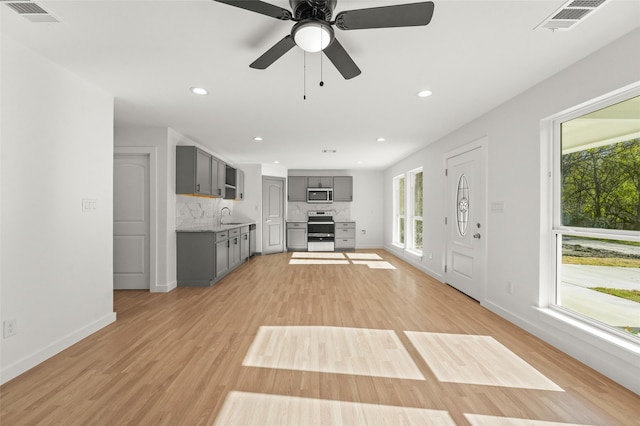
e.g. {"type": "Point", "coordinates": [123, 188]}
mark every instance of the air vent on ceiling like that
{"type": "Point", "coordinates": [571, 14]}
{"type": "Point", "coordinates": [30, 11]}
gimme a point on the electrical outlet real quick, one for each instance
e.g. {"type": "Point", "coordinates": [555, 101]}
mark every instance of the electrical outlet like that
{"type": "Point", "coordinates": [509, 287]}
{"type": "Point", "coordinates": [430, 255]}
{"type": "Point", "coordinates": [9, 328]}
{"type": "Point", "coordinates": [364, 232]}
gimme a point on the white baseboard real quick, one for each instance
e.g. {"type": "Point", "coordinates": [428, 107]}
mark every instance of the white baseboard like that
{"type": "Point", "coordinates": [619, 364]}
{"type": "Point", "coordinates": [28, 362]}
{"type": "Point", "coordinates": [166, 288]}
{"type": "Point", "coordinates": [411, 261]}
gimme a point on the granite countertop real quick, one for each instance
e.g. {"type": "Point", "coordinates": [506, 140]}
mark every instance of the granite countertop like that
{"type": "Point", "coordinates": [215, 227]}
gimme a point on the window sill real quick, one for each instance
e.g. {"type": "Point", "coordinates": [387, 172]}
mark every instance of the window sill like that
{"type": "Point", "coordinates": [617, 346]}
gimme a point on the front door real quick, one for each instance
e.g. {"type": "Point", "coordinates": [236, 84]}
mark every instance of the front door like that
{"type": "Point", "coordinates": [273, 215]}
{"type": "Point", "coordinates": [131, 222]}
{"type": "Point", "coordinates": [465, 260]}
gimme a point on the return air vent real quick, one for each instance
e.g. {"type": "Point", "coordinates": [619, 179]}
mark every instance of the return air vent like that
{"type": "Point", "coordinates": [571, 14]}
{"type": "Point", "coordinates": [30, 11]}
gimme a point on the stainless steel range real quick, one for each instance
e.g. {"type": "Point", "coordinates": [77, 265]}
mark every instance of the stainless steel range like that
{"type": "Point", "coordinates": [320, 231]}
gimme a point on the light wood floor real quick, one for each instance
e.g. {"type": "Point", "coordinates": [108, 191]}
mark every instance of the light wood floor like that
{"type": "Point", "coordinates": [276, 343]}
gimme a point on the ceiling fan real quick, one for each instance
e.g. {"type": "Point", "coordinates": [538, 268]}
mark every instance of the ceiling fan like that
{"type": "Point", "coordinates": [313, 30]}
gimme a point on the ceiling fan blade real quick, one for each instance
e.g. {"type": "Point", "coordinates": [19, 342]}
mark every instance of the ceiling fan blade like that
{"type": "Point", "coordinates": [402, 15]}
{"type": "Point", "coordinates": [341, 60]}
{"type": "Point", "coordinates": [260, 7]}
{"type": "Point", "coordinates": [273, 54]}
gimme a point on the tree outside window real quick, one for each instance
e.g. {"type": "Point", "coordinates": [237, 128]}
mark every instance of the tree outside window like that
{"type": "Point", "coordinates": [416, 207]}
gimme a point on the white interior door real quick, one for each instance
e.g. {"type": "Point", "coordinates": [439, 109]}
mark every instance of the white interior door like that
{"type": "Point", "coordinates": [131, 222]}
{"type": "Point", "coordinates": [466, 211]}
{"type": "Point", "coordinates": [273, 215]}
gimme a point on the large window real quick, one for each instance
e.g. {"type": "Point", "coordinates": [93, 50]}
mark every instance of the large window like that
{"type": "Point", "coordinates": [407, 210]}
{"type": "Point", "coordinates": [415, 210]}
{"type": "Point", "coordinates": [597, 214]}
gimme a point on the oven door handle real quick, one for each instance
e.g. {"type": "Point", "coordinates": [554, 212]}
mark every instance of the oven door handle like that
{"type": "Point", "coordinates": [321, 223]}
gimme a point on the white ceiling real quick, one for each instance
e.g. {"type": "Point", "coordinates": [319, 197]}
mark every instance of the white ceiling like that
{"type": "Point", "coordinates": [474, 55]}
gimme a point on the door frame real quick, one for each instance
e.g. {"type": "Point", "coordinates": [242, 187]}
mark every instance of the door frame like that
{"type": "Point", "coordinates": [151, 152]}
{"type": "Point", "coordinates": [483, 145]}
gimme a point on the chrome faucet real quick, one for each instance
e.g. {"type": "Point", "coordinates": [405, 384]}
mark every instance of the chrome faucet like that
{"type": "Point", "coordinates": [222, 211]}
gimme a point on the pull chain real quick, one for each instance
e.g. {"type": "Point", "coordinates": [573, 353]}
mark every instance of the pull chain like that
{"type": "Point", "coordinates": [304, 75]}
{"type": "Point", "coordinates": [321, 55]}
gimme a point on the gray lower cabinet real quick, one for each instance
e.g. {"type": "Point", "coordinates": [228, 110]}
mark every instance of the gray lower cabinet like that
{"type": "Point", "coordinates": [222, 254]}
{"type": "Point", "coordinates": [296, 236]}
{"type": "Point", "coordinates": [245, 244]}
{"type": "Point", "coordinates": [345, 236]}
{"type": "Point", "coordinates": [234, 247]}
{"type": "Point", "coordinates": [205, 257]}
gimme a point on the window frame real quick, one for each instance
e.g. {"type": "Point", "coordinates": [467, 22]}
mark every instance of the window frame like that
{"type": "Point", "coordinates": [397, 216]}
{"type": "Point", "coordinates": [410, 211]}
{"type": "Point", "coordinates": [551, 133]}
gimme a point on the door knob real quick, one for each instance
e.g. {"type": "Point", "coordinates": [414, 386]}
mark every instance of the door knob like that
{"type": "Point", "coordinates": [476, 236]}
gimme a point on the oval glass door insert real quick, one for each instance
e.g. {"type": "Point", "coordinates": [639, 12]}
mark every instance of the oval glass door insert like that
{"type": "Point", "coordinates": [462, 204]}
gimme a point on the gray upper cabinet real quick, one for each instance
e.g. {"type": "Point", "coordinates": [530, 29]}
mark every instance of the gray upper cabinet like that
{"type": "Point", "coordinates": [218, 173]}
{"type": "Point", "coordinates": [343, 188]}
{"type": "Point", "coordinates": [193, 171]}
{"type": "Point", "coordinates": [297, 188]}
{"type": "Point", "coordinates": [320, 181]}
{"type": "Point", "coordinates": [239, 184]}
{"type": "Point", "coordinates": [230, 183]}
{"type": "Point", "coordinates": [234, 184]}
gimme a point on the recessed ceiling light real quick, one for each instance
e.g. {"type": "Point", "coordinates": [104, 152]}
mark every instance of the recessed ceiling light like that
{"type": "Point", "coordinates": [381, 140]}
{"type": "Point", "coordinates": [359, 162]}
{"type": "Point", "coordinates": [257, 138]}
{"type": "Point", "coordinates": [199, 90]}
{"type": "Point", "coordinates": [276, 162]}
{"type": "Point", "coordinates": [425, 93]}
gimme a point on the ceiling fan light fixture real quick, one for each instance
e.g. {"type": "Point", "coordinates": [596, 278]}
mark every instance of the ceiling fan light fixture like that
{"type": "Point", "coordinates": [312, 36]}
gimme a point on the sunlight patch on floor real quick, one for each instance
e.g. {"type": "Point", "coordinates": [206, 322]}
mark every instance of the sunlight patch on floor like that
{"type": "Point", "coordinates": [482, 420]}
{"type": "Point", "coordinates": [318, 262]}
{"type": "Point", "coordinates": [480, 360]}
{"type": "Point", "coordinates": [374, 264]}
{"type": "Point", "coordinates": [317, 255]}
{"type": "Point", "coordinates": [372, 260]}
{"type": "Point", "coordinates": [245, 409]}
{"type": "Point", "coordinates": [342, 350]}
{"type": "Point", "coordinates": [363, 256]}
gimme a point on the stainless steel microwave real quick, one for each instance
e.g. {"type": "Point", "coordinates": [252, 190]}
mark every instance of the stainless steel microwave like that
{"type": "Point", "coordinates": [319, 195]}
